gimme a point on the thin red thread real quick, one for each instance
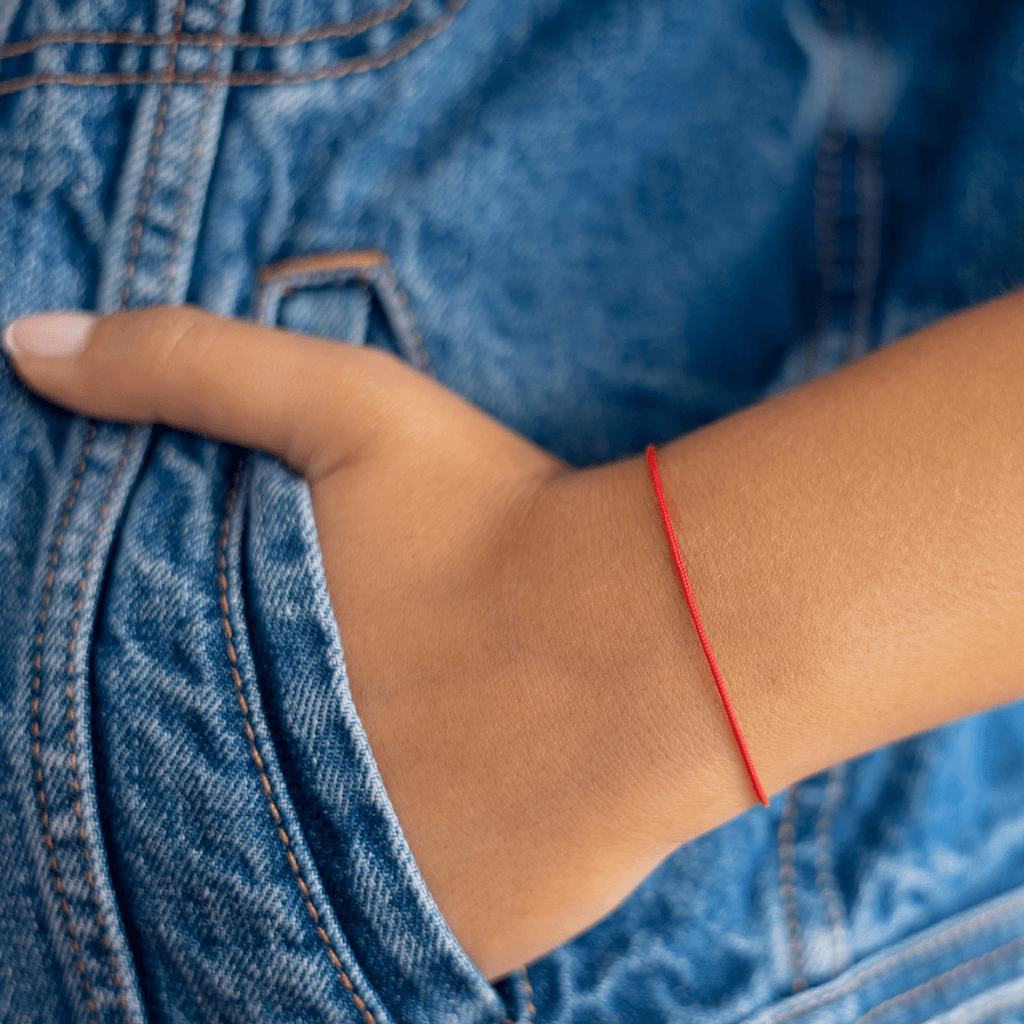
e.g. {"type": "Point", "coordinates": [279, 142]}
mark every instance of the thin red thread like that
{"type": "Point", "coordinates": [677, 558]}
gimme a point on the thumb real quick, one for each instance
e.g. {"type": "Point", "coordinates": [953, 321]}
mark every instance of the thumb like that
{"type": "Point", "coordinates": [311, 402]}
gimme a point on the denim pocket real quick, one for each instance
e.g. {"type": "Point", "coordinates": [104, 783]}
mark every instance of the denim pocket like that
{"type": "Point", "coordinates": [257, 863]}
{"type": "Point", "coordinates": [363, 863]}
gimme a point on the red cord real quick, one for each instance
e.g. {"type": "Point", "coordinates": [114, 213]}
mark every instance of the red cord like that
{"type": "Point", "coordinates": [659, 493]}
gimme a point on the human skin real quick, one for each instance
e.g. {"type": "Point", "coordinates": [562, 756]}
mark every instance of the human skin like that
{"type": "Point", "coordinates": [544, 720]}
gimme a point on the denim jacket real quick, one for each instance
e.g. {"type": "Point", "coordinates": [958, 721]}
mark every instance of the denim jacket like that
{"type": "Point", "coordinates": [605, 223]}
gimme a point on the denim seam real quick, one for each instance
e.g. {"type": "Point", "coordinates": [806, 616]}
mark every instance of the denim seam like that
{"type": "Point", "coordinates": [824, 868]}
{"type": "Point", "coordinates": [154, 152]}
{"type": "Point", "coordinates": [410, 330]}
{"type": "Point", "coordinates": [848, 340]}
{"type": "Point", "coordinates": [903, 777]}
{"type": "Point", "coordinates": [970, 968]}
{"type": "Point", "coordinates": [343, 261]}
{"type": "Point", "coordinates": [225, 607]}
{"type": "Point", "coordinates": [35, 727]}
{"type": "Point", "coordinates": [827, 199]}
{"type": "Point", "coordinates": [787, 888]}
{"type": "Point", "coordinates": [196, 154]}
{"type": "Point", "coordinates": [931, 945]}
{"type": "Point", "coordinates": [242, 40]}
{"type": "Point", "coordinates": [531, 1009]}
{"type": "Point", "coordinates": [70, 694]}
{"type": "Point", "coordinates": [866, 170]}
{"type": "Point", "coordinates": [995, 1008]}
{"type": "Point", "coordinates": [827, 203]}
{"type": "Point", "coordinates": [352, 66]}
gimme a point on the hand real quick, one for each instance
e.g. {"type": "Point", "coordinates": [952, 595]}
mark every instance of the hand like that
{"type": "Point", "coordinates": [509, 761]}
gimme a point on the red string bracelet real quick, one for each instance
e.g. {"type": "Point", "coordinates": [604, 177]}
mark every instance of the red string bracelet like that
{"type": "Point", "coordinates": [659, 493]}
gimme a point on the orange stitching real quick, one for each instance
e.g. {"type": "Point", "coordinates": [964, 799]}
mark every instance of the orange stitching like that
{"type": "Point", "coordinates": [244, 40]}
{"type": "Point", "coordinates": [352, 66]}
{"type": "Point", "coordinates": [914, 996]}
{"type": "Point", "coordinates": [349, 259]}
{"type": "Point", "coordinates": [531, 1009]}
{"type": "Point", "coordinates": [35, 726]}
{"type": "Point", "coordinates": [787, 876]}
{"type": "Point", "coordinates": [70, 694]}
{"type": "Point", "coordinates": [414, 331]}
{"type": "Point", "coordinates": [222, 582]}
{"type": "Point", "coordinates": [154, 152]}
{"type": "Point", "coordinates": [197, 152]}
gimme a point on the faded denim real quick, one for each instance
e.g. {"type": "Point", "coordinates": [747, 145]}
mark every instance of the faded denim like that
{"type": "Point", "coordinates": [606, 223]}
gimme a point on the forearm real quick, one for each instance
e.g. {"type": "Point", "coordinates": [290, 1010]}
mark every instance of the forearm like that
{"type": "Point", "coordinates": [856, 548]}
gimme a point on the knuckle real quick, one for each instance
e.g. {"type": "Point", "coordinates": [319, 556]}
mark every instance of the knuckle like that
{"type": "Point", "coordinates": [181, 337]}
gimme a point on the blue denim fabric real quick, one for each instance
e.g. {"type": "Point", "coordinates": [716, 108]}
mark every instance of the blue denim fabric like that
{"type": "Point", "coordinates": [606, 223]}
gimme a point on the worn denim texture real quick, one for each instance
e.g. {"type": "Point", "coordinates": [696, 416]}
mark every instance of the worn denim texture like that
{"type": "Point", "coordinates": [606, 223]}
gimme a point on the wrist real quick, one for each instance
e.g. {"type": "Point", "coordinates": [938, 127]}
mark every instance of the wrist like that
{"type": "Point", "coordinates": [621, 646]}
